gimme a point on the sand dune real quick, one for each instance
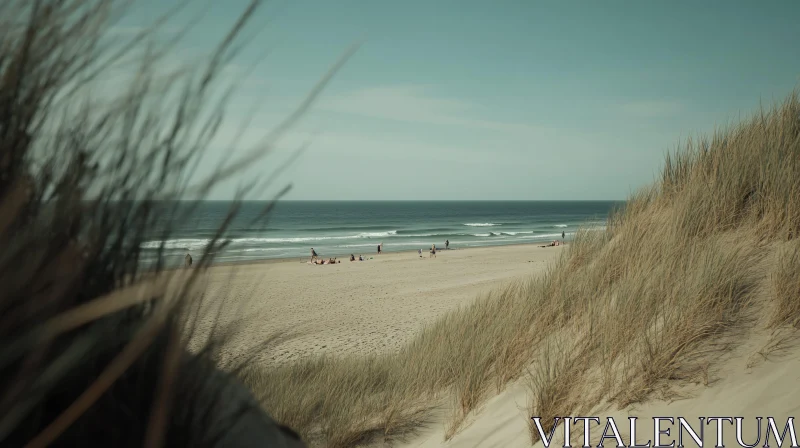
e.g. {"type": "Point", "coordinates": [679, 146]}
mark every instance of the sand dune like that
{"type": "Point", "coordinates": [355, 307]}
{"type": "Point", "coordinates": [737, 388]}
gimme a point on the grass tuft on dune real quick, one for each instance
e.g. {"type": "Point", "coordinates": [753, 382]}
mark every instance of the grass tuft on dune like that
{"type": "Point", "coordinates": [688, 266]}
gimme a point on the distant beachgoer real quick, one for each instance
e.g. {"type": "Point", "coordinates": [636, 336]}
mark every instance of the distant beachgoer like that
{"type": "Point", "coordinates": [360, 258]}
{"type": "Point", "coordinates": [379, 249]}
{"type": "Point", "coordinates": [447, 244]}
{"type": "Point", "coordinates": [188, 260]}
{"type": "Point", "coordinates": [314, 255]}
{"type": "Point", "coordinates": [433, 251]}
{"type": "Point", "coordinates": [419, 251]}
{"type": "Point", "coordinates": [352, 257]}
{"type": "Point", "coordinates": [563, 234]}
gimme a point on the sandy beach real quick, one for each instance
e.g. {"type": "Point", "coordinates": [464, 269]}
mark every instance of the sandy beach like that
{"type": "Point", "coordinates": [354, 307]}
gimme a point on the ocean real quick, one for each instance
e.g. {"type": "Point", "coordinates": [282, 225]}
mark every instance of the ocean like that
{"type": "Point", "coordinates": [341, 228]}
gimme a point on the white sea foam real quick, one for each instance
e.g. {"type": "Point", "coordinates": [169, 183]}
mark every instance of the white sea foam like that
{"type": "Point", "coordinates": [236, 243]}
{"type": "Point", "coordinates": [546, 235]}
{"type": "Point", "coordinates": [183, 243]}
{"type": "Point", "coordinates": [376, 234]}
{"type": "Point", "coordinates": [187, 243]}
{"type": "Point", "coordinates": [479, 224]}
{"type": "Point", "coordinates": [596, 227]}
{"type": "Point", "coordinates": [560, 226]}
{"type": "Point", "coordinates": [260, 249]}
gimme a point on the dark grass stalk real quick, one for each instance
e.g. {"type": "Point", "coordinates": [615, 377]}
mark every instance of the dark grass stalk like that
{"type": "Point", "coordinates": [83, 181]}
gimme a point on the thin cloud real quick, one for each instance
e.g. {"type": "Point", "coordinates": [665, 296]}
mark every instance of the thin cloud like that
{"type": "Point", "coordinates": [650, 109]}
{"type": "Point", "coordinates": [415, 104]}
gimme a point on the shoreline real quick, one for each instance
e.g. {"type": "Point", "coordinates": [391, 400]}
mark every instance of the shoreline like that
{"type": "Point", "coordinates": [370, 254]}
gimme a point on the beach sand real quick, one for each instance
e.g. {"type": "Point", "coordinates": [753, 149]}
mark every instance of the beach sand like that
{"type": "Point", "coordinates": [352, 307]}
{"type": "Point", "coordinates": [376, 305]}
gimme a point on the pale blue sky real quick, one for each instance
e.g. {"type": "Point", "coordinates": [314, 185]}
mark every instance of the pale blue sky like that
{"type": "Point", "coordinates": [493, 100]}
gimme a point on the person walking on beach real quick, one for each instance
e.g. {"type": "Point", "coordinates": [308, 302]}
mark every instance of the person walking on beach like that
{"type": "Point", "coordinates": [419, 251]}
{"type": "Point", "coordinates": [563, 234]}
{"type": "Point", "coordinates": [379, 249]}
{"type": "Point", "coordinates": [447, 244]}
{"type": "Point", "coordinates": [187, 260]}
{"type": "Point", "coordinates": [433, 251]}
{"type": "Point", "coordinates": [313, 254]}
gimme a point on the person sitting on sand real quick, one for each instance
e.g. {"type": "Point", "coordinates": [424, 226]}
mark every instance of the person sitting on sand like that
{"type": "Point", "coordinates": [360, 258]}
{"type": "Point", "coordinates": [352, 257]}
{"type": "Point", "coordinates": [433, 251]}
{"type": "Point", "coordinates": [314, 255]}
{"type": "Point", "coordinates": [419, 251]}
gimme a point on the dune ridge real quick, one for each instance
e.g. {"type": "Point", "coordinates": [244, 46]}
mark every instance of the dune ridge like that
{"type": "Point", "coordinates": [625, 316]}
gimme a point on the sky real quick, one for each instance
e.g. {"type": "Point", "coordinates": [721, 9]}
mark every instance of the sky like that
{"type": "Point", "coordinates": [476, 100]}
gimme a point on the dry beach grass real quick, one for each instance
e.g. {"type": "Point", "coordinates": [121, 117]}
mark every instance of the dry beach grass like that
{"type": "Point", "coordinates": [625, 315]}
{"type": "Point", "coordinates": [691, 264]}
{"type": "Point", "coordinates": [684, 273]}
{"type": "Point", "coordinates": [91, 347]}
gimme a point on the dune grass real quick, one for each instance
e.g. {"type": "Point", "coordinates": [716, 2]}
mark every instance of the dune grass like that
{"type": "Point", "coordinates": [689, 264]}
{"type": "Point", "coordinates": [624, 314]}
{"type": "Point", "coordinates": [101, 132]}
{"type": "Point", "coordinates": [687, 267]}
{"type": "Point", "coordinates": [785, 281]}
